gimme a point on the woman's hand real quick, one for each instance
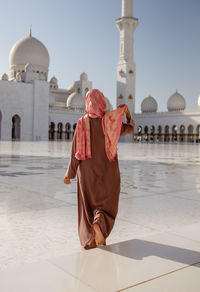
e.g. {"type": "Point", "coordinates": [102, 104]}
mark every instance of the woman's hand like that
{"type": "Point", "coordinates": [127, 112]}
{"type": "Point", "coordinates": [128, 115]}
{"type": "Point", "coordinates": [67, 180]}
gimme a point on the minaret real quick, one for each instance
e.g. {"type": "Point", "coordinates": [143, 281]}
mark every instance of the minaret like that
{"type": "Point", "coordinates": [126, 66]}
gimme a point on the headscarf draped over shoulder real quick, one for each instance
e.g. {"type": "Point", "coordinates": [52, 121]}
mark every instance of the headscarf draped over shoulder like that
{"type": "Point", "coordinates": [111, 124]}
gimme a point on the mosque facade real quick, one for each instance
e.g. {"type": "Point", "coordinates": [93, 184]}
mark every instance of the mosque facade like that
{"type": "Point", "coordinates": [177, 124]}
{"type": "Point", "coordinates": [34, 108]}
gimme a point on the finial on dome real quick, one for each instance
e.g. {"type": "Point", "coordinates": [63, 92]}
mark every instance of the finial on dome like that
{"type": "Point", "coordinates": [30, 32]}
{"type": "Point", "coordinates": [176, 90]}
{"type": "Point", "coordinates": [149, 94]}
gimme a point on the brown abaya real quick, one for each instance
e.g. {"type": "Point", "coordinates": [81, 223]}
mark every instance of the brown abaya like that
{"type": "Point", "coordinates": [98, 184]}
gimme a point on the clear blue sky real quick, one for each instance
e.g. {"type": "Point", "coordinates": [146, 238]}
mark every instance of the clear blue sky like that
{"type": "Point", "coordinates": [81, 35]}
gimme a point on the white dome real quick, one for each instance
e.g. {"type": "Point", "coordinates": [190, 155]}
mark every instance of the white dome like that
{"type": "Point", "coordinates": [83, 76]}
{"type": "Point", "coordinates": [176, 102]}
{"type": "Point", "coordinates": [29, 68]}
{"type": "Point", "coordinates": [149, 105]}
{"type": "Point", "coordinates": [4, 77]}
{"type": "Point", "coordinates": [76, 101]}
{"type": "Point", "coordinates": [54, 80]}
{"type": "Point", "coordinates": [54, 83]}
{"type": "Point", "coordinates": [28, 51]}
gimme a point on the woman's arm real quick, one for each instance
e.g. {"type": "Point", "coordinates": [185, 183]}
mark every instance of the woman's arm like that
{"type": "Point", "coordinates": [127, 128]}
{"type": "Point", "coordinates": [73, 162]}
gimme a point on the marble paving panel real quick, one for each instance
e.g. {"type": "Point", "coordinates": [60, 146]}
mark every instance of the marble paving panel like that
{"type": "Point", "coordinates": [184, 280]}
{"type": "Point", "coordinates": [40, 277]}
{"type": "Point", "coordinates": [127, 263]}
{"type": "Point", "coordinates": [160, 212]}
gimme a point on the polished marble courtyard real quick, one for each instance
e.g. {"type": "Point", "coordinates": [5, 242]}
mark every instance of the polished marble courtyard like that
{"type": "Point", "coordinates": [154, 245]}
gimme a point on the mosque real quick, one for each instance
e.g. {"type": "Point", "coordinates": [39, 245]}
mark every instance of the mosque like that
{"type": "Point", "coordinates": [34, 108]}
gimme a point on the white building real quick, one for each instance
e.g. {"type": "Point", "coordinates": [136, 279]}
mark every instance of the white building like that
{"type": "Point", "coordinates": [175, 125]}
{"type": "Point", "coordinates": [33, 108]}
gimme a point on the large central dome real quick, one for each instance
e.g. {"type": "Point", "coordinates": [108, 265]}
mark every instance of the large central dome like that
{"type": "Point", "coordinates": [28, 51]}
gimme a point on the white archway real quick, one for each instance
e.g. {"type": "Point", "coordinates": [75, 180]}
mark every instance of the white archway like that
{"type": "Point", "coordinates": [67, 131]}
{"type": "Point", "coordinates": [52, 131]}
{"type": "Point", "coordinates": [159, 134]}
{"type": "Point", "coordinates": [139, 134]}
{"type": "Point", "coordinates": [146, 134]}
{"type": "Point", "coordinates": [59, 131]}
{"type": "Point", "coordinates": [16, 127]}
{"type": "Point", "coordinates": [190, 134]}
{"type": "Point", "coordinates": [166, 136]}
{"type": "Point", "coordinates": [182, 133]}
{"type": "Point", "coordinates": [174, 133]}
{"type": "Point", "coordinates": [198, 134]}
{"type": "Point", "coordinates": [152, 134]}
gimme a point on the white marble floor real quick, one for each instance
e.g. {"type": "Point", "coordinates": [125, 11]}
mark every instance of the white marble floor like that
{"type": "Point", "coordinates": [154, 245]}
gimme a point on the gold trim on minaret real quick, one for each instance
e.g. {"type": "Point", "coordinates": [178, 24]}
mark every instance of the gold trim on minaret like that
{"type": "Point", "coordinates": [121, 72]}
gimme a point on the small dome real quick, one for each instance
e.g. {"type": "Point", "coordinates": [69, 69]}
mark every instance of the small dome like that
{"type": "Point", "coordinates": [29, 68]}
{"type": "Point", "coordinates": [54, 80]}
{"type": "Point", "coordinates": [4, 77]}
{"type": "Point", "coordinates": [176, 102]}
{"type": "Point", "coordinates": [149, 105]}
{"type": "Point", "coordinates": [83, 76]}
{"type": "Point", "coordinates": [54, 83]}
{"type": "Point", "coordinates": [76, 101]}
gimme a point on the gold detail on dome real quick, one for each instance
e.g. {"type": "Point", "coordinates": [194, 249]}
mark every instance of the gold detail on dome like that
{"type": "Point", "coordinates": [121, 72]}
{"type": "Point", "coordinates": [130, 97]}
{"type": "Point", "coordinates": [30, 32]}
{"type": "Point", "coordinates": [131, 71]}
{"type": "Point", "coordinates": [120, 96]}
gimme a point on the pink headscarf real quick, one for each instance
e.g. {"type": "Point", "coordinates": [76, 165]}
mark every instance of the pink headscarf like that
{"type": "Point", "coordinates": [111, 124]}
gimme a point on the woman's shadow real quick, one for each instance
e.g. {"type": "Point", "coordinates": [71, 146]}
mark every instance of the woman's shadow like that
{"type": "Point", "coordinates": [138, 249]}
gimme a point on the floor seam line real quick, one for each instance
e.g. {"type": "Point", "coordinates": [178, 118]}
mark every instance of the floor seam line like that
{"type": "Point", "coordinates": [67, 273]}
{"type": "Point", "coordinates": [157, 277]}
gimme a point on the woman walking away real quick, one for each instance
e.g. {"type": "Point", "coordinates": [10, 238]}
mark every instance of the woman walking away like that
{"type": "Point", "coordinates": [94, 160]}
